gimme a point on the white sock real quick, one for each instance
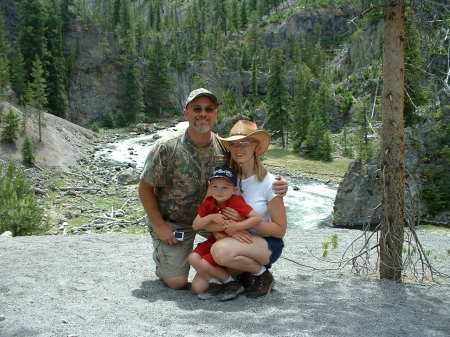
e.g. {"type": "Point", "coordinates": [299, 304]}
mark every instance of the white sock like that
{"type": "Point", "coordinates": [261, 271]}
{"type": "Point", "coordinates": [228, 280]}
{"type": "Point", "coordinates": [214, 280]}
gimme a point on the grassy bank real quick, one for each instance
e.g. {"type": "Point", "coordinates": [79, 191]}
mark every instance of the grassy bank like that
{"type": "Point", "coordinates": [286, 159]}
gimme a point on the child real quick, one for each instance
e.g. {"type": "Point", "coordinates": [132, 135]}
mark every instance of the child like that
{"type": "Point", "coordinates": [222, 186]}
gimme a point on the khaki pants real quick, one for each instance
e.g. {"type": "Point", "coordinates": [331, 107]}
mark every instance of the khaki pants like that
{"type": "Point", "coordinates": [171, 260]}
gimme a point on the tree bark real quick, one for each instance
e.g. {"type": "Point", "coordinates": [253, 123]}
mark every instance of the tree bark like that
{"type": "Point", "coordinates": [393, 148]}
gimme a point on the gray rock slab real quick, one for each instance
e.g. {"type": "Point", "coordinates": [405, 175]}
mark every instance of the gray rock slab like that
{"type": "Point", "coordinates": [104, 285]}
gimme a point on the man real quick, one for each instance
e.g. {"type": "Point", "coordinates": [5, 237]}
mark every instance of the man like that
{"type": "Point", "coordinates": [174, 182]}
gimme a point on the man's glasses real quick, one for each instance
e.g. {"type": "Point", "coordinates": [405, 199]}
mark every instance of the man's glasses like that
{"type": "Point", "coordinates": [199, 108]}
{"type": "Point", "coordinates": [241, 144]}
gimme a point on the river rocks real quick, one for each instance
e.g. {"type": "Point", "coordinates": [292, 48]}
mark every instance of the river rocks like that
{"type": "Point", "coordinates": [145, 128]}
{"type": "Point", "coordinates": [6, 234]}
{"type": "Point", "coordinates": [129, 176]}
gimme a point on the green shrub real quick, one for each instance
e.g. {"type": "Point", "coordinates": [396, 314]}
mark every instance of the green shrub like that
{"type": "Point", "coordinates": [19, 211]}
{"type": "Point", "coordinates": [10, 128]}
{"type": "Point", "coordinates": [27, 152]}
{"type": "Point", "coordinates": [94, 127]}
{"type": "Point", "coordinates": [108, 120]}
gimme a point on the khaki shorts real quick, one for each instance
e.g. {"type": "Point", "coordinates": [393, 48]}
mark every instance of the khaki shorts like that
{"type": "Point", "coordinates": [171, 260]}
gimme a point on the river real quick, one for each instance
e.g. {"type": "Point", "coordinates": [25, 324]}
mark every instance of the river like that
{"type": "Point", "coordinates": [309, 203]}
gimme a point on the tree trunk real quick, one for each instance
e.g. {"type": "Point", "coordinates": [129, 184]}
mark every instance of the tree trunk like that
{"type": "Point", "coordinates": [393, 149]}
{"type": "Point", "coordinates": [40, 124]}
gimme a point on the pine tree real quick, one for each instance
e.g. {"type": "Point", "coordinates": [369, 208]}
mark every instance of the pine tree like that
{"type": "Point", "coordinates": [38, 86]}
{"type": "Point", "coordinates": [347, 150]}
{"type": "Point", "coordinates": [4, 75]}
{"type": "Point", "coordinates": [220, 15]}
{"type": "Point", "coordinates": [261, 8]}
{"type": "Point", "coordinates": [314, 143]}
{"type": "Point", "coordinates": [133, 102]}
{"type": "Point", "coordinates": [302, 101]}
{"type": "Point", "coordinates": [234, 15]}
{"type": "Point", "coordinates": [364, 148]}
{"type": "Point", "coordinates": [116, 13]}
{"type": "Point", "coordinates": [324, 147]}
{"type": "Point", "coordinates": [253, 37]}
{"type": "Point", "coordinates": [254, 84]}
{"type": "Point", "coordinates": [245, 58]}
{"type": "Point", "coordinates": [66, 15]}
{"type": "Point", "coordinates": [4, 61]}
{"type": "Point", "coordinates": [415, 95]}
{"type": "Point", "coordinates": [125, 18]}
{"type": "Point", "coordinates": [27, 152]}
{"type": "Point", "coordinates": [19, 210]}
{"type": "Point", "coordinates": [55, 65]}
{"type": "Point", "coordinates": [158, 17]}
{"type": "Point", "coordinates": [158, 82]}
{"type": "Point", "coordinates": [32, 40]}
{"type": "Point", "coordinates": [17, 75]}
{"type": "Point", "coordinates": [278, 97]}
{"type": "Point", "coordinates": [27, 102]}
{"type": "Point", "coordinates": [10, 128]}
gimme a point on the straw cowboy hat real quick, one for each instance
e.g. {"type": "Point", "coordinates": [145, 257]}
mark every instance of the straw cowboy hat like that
{"type": "Point", "coordinates": [243, 130]}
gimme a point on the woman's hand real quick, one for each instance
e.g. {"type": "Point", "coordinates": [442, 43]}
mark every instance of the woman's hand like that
{"type": "Point", "coordinates": [232, 214]}
{"type": "Point", "coordinates": [280, 186]}
{"type": "Point", "coordinates": [243, 236]}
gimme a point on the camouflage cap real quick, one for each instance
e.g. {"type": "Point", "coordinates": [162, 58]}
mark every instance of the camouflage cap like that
{"type": "Point", "coordinates": [201, 92]}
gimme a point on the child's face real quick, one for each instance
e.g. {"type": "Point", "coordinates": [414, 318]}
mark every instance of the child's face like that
{"type": "Point", "coordinates": [221, 189]}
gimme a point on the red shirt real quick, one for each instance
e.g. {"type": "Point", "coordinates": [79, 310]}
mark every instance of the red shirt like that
{"type": "Point", "coordinates": [237, 202]}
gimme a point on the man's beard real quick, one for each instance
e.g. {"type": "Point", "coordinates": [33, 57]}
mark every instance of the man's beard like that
{"type": "Point", "coordinates": [201, 129]}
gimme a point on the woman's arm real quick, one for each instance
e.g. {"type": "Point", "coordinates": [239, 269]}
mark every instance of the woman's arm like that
{"type": "Point", "coordinates": [277, 212]}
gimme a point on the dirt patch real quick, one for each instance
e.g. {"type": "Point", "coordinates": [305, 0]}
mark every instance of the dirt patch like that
{"type": "Point", "coordinates": [63, 143]}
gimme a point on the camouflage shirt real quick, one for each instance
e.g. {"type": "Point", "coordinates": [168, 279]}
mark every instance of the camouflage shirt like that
{"type": "Point", "coordinates": [179, 170]}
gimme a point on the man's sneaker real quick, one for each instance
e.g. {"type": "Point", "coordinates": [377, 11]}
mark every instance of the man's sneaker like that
{"type": "Point", "coordinates": [261, 286]}
{"type": "Point", "coordinates": [246, 279]}
{"type": "Point", "coordinates": [231, 290]}
{"type": "Point", "coordinates": [213, 292]}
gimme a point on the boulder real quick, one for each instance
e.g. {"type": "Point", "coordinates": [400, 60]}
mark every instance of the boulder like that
{"type": "Point", "coordinates": [129, 176]}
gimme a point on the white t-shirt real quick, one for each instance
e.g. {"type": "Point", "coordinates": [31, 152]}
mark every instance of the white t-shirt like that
{"type": "Point", "coordinates": [258, 193]}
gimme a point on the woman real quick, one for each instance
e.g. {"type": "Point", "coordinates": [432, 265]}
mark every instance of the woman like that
{"type": "Point", "coordinates": [252, 252]}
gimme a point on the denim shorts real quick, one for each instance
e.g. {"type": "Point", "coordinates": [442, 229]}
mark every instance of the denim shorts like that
{"type": "Point", "coordinates": [276, 246]}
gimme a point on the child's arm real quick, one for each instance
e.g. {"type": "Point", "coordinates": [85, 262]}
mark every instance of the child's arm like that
{"type": "Point", "coordinates": [210, 222]}
{"type": "Point", "coordinates": [253, 219]}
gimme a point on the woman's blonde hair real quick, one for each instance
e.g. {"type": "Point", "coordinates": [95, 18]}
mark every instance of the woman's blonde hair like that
{"type": "Point", "coordinates": [259, 169]}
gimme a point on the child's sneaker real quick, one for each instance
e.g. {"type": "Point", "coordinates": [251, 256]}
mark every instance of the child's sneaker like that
{"type": "Point", "coordinates": [230, 291]}
{"type": "Point", "coordinates": [213, 291]}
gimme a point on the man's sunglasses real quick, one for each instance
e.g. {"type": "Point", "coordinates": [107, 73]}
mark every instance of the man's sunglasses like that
{"type": "Point", "coordinates": [208, 109]}
{"type": "Point", "coordinates": [242, 144]}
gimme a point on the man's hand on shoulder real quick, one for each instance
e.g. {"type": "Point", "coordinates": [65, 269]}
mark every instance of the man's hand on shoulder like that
{"type": "Point", "coordinates": [280, 186]}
